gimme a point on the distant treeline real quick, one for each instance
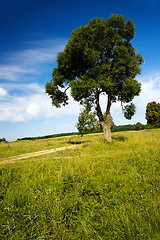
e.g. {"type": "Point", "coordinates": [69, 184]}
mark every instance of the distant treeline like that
{"type": "Point", "coordinates": [133, 127]}
{"type": "Point", "coordinates": [129, 127]}
{"type": "Point", "coordinates": [48, 136]}
{"type": "Point", "coordinates": [114, 128]}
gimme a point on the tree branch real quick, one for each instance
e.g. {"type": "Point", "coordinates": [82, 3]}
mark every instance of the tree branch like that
{"type": "Point", "coordinates": [66, 89]}
{"type": "Point", "coordinates": [98, 109]}
{"type": "Point", "coordinates": [108, 104]}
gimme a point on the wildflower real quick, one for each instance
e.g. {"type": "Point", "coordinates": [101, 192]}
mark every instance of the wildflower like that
{"type": "Point", "coordinates": [78, 183]}
{"type": "Point", "coordinates": [29, 224]}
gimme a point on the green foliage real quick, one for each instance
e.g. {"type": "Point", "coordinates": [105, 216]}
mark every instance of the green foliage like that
{"type": "Point", "coordinates": [149, 126]}
{"type": "Point", "coordinates": [129, 111]}
{"type": "Point", "coordinates": [87, 122]}
{"type": "Point", "coordinates": [57, 96]}
{"type": "Point", "coordinates": [122, 128]}
{"type": "Point", "coordinates": [97, 191]}
{"type": "Point", "coordinates": [98, 58]}
{"type": "Point", "coordinates": [139, 126]}
{"type": "Point", "coordinates": [153, 113]}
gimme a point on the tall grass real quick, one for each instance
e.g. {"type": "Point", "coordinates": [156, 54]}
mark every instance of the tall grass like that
{"type": "Point", "coordinates": [98, 191]}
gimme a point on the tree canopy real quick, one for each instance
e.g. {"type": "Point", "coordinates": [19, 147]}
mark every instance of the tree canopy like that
{"type": "Point", "coordinates": [98, 58]}
{"type": "Point", "coordinates": [153, 113]}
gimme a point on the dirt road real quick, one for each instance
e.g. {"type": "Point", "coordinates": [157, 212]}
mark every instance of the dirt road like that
{"type": "Point", "coordinates": [34, 154]}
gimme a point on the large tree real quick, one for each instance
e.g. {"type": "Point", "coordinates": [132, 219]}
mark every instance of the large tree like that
{"type": "Point", "coordinates": [98, 59]}
{"type": "Point", "coordinates": [153, 113]}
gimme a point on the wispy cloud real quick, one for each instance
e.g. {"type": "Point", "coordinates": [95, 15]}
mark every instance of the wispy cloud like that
{"type": "Point", "coordinates": [13, 72]}
{"type": "Point", "coordinates": [27, 63]}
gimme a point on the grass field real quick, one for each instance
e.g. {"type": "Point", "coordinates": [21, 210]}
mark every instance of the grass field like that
{"type": "Point", "coordinates": [97, 191]}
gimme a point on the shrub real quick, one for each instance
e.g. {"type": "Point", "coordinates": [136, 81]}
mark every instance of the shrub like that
{"type": "Point", "coordinates": [139, 126]}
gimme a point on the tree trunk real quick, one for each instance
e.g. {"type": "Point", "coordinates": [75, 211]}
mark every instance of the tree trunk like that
{"type": "Point", "coordinates": [105, 123]}
{"type": "Point", "coordinates": [108, 120]}
{"type": "Point", "coordinates": [107, 129]}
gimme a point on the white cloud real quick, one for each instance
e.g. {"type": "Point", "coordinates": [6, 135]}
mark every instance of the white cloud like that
{"type": "Point", "coordinates": [150, 92]}
{"type": "Point", "coordinates": [18, 118]}
{"type": "Point", "coordinates": [3, 93]}
{"type": "Point", "coordinates": [116, 107]}
{"type": "Point", "coordinates": [34, 87]}
{"type": "Point", "coordinates": [52, 115]}
{"type": "Point", "coordinates": [33, 109]}
{"type": "Point", "coordinates": [46, 122]}
{"type": "Point", "coordinates": [32, 104]}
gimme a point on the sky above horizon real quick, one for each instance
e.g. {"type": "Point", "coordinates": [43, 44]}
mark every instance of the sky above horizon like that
{"type": "Point", "coordinates": [34, 31]}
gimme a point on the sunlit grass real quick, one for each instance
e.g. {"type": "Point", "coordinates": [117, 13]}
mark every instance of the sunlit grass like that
{"type": "Point", "coordinates": [98, 190]}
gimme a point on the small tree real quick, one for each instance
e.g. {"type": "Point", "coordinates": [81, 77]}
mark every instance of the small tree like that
{"type": "Point", "coordinates": [87, 122]}
{"type": "Point", "coordinates": [153, 113]}
{"type": "Point", "coordinates": [98, 58]}
{"type": "Point", "coordinates": [139, 126]}
{"type": "Point", "coordinates": [3, 140]}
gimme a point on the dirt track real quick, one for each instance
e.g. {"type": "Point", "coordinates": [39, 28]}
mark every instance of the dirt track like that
{"type": "Point", "coordinates": [34, 154]}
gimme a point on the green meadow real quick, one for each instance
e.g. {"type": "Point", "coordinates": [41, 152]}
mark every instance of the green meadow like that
{"type": "Point", "coordinates": [96, 191]}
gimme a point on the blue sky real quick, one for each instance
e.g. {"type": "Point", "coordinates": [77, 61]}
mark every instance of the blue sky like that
{"type": "Point", "coordinates": [32, 32]}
